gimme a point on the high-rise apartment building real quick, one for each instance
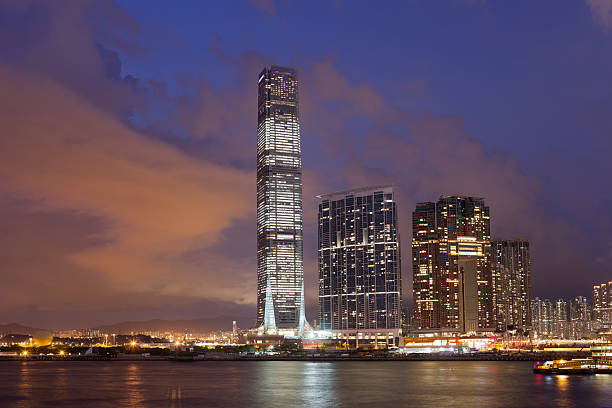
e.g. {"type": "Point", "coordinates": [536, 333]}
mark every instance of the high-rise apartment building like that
{"type": "Point", "coordinates": [579, 317]}
{"type": "Point", "coordinates": [452, 275]}
{"type": "Point", "coordinates": [359, 265]}
{"type": "Point", "coordinates": [560, 323]}
{"type": "Point", "coordinates": [511, 271]}
{"type": "Point", "coordinates": [566, 320]}
{"type": "Point", "coordinates": [425, 277]}
{"type": "Point", "coordinates": [500, 275]}
{"type": "Point", "coordinates": [542, 316]}
{"type": "Point", "coordinates": [579, 309]}
{"type": "Point", "coordinates": [602, 304]}
{"type": "Point", "coordinates": [280, 271]}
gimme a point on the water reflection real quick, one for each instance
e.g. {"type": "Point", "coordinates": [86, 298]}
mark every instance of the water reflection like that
{"type": "Point", "coordinates": [24, 388]}
{"type": "Point", "coordinates": [319, 388]}
{"type": "Point", "coordinates": [561, 383]}
{"type": "Point", "coordinates": [295, 384]}
{"type": "Point", "coordinates": [133, 384]}
{"type": "Point", "coordinates": [60, 384]}
{"type": "Point", "coordinates": [174, 395]}
{"type": "Point", "coordinates": [421, 384]}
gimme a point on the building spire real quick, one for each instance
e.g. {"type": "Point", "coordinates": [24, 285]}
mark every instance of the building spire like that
{"type": "Point", "coordinates": [269, 324]}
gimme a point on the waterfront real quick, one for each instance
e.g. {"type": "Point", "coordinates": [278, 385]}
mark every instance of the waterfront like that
{"type": "Point", "coordinates": [294, 383]}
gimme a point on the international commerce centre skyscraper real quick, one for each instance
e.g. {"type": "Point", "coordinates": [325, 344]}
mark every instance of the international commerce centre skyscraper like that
{"type": "Point", "coordinates": [280, 269]}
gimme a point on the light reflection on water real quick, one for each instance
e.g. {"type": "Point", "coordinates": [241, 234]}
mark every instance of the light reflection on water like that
{"type": "Point", "coordinates": [24, 385]}
{"type": "Point", "coordinates": [294, 384]}
{"type": "Point", "coordinates": [133, 384]}
{"type": "Point", "coordinates": [175, 396]}
{"type": "Point", "coordinates": [561, 384]}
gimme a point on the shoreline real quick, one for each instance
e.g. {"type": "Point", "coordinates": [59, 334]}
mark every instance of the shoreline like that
{"type": "Point", "coordinates": [195, 359]}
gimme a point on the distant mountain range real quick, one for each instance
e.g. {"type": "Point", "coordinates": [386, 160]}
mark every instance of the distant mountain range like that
{"type": "Point", "coordinates": [15, 328]}
{"type": "Point", "coordinates": [204, 325]}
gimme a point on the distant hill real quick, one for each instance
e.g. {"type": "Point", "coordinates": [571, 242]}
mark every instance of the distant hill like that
{"type": "Point", "coordinates": [15, 328]}
{"type": "Point", "coordinates": [204, 325]}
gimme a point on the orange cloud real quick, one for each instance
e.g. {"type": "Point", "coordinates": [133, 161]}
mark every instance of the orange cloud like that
{"type": "Point", "coordinates": [62, 153]}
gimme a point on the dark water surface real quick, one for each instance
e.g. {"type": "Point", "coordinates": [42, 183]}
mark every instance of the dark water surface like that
{"type": "Point", "coordinates": [295, 384]}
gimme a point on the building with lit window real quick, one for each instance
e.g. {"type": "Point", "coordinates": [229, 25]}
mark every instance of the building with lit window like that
{"type": "Point", "coordinates": [560, 323]}
{"type": "Point", "coordinates": [580, 318]}
{"type": "Point", "coordinates": [452, 275]}
{"type": "Point", "coordinates": [500, 275]}
{"type": "Point", "coordinates": [425, 279]}
{"type": "Point", "coordinates": [602, 304]}
{"type": "Point", "coordinates": [542, 316]}
{"type": "Point", "coordinates": [511, 271]}
{"type": "Point", "coordinates": [280, 271]}
{"type": "Point", "coordinates": [359, 265]}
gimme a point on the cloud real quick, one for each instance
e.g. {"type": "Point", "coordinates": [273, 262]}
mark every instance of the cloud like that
{"type": "Point", "coordinates": [66, 155]}
{"type": "Point", "coordinates": [112, 220]}
{"type": "Point", "coordinates": [363, 139]}
{"type": "Point", "coordinates": [172, 218]}
{"type": "Point", "coordinates": [601, 10]}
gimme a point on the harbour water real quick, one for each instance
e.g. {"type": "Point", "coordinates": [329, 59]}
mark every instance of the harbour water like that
{"type": "Point", "coordinates": [294, 384]}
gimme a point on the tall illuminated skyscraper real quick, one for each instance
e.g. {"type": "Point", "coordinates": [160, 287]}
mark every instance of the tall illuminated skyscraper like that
{"type": "Point", "coordinates": [280, 270]}
{"type": "Point", "coordinates": [602, 304]}
{"type": "Point", "coordinates": [542, 315]}
{"type": "Point", "coordinates": [580, 317]}
{"type": "Point", "coordinates": [452, 276]}
{"type": "Point", "coordinates": [359, 267]}
{"type": "Point", "coordinates": [560, 325]}
{"type": "Point", "coordinates": [464, 233]}
{"type": "Point", "coordinates": [426, 279]}
{"type": "Point", "coordinates": [512, 291]}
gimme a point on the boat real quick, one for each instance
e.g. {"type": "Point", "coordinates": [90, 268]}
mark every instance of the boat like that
{"type": "Point", "coordinates": [600, 362]}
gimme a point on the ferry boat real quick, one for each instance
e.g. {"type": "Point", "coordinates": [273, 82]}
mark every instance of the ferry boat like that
{"type": "Point", "coordinates": [600, 362]}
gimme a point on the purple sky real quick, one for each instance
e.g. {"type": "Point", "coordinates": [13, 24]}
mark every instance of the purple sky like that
{"type": "Point", "coordinates": [127, 150]}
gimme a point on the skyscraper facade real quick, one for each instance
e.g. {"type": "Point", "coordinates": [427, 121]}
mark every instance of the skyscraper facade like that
{"type": "Point", "coordinates": [512, 283]}
{"type": "Point", "coordinates": [602, 304]}
{"type": "Point", "coordinates": [452, 275]}
{"type": "Point", "coordinates": [542, 316]}
{"type": "Point", "coordinates": [579, 317]}
{"type": "Point", "coordinates": [425, 273]}
{"type": "Point", "coordinates": [280, 271]}
{"type": "Point", "coordinates": [359, 265]}
{"type": "Point", "coordinates": [560, 324]}
{"type": "Point", "coordinates": [500, 275]}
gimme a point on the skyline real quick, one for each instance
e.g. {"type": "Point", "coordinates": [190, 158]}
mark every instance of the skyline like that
{"type": "Point", "coordinates": [149, 213]}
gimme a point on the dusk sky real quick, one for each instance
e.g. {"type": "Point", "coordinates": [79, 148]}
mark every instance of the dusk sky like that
{"type": "Point", "coordinates": [128, 140]}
